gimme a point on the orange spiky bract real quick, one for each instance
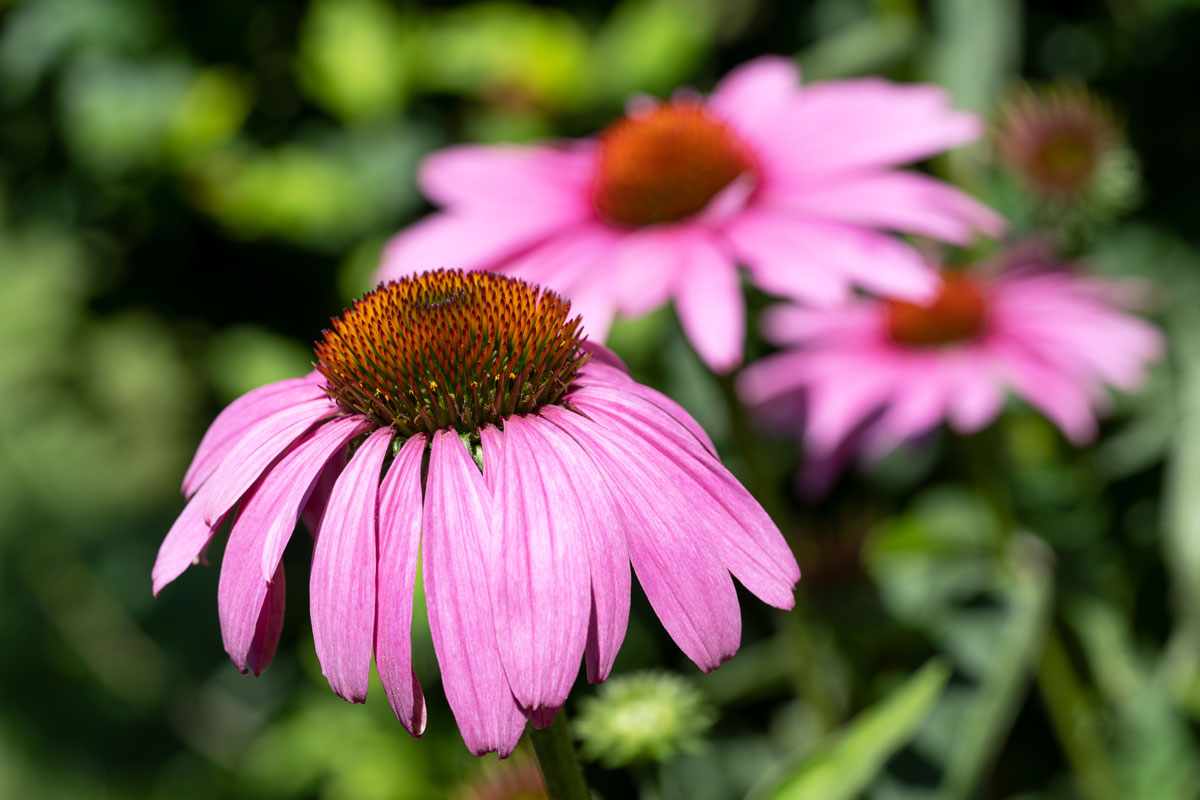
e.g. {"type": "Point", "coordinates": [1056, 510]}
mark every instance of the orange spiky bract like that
{"type": "Point", "coordinates": [665, 165]}
{"type": "Point", "coordinates": [450, 350]}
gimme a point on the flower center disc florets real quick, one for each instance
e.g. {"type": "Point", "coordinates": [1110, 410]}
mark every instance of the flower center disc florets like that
{"type": "Point", "coordinates": [957, 314]}
{"type": "Point", "coordinates": [451, 350]}
{"type": "Point", "coordinates": [1055, 140]}
{"type": "Point", "coordinates": [665, 165]}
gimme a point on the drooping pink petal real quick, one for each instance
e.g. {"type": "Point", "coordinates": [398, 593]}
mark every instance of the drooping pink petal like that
{"type": "Point", "coordinates": [183, 544]}
{"type": "Point", "coordinates": [708, 299]}
{"type": "Point", "coordinates": [262, 444]}
{"type": "Point", "coordinates": [270, 625]}
{"type": "Point", "coordinates": [242, 414]}
{"type": "Point", "coordinates": [603, 533]}
{"type": "Point", "coordinates": [978, 394]}
{"type": "Point", "coordinates": [342, 582]}
{"type": "Point", "coordinates": [748, 540]}
{"type": "Point", "coordinates": [399, 548]}
{"type": "Point", "coordinates": [457, 510]}
{"type": "Point", "coordinates": [775, 245]}
{"type": "Point", "coordinates": [908, 202]}
{"type": "Point", "coordinates": [263, 526]}
{"type": "Point", "coordinates": [644, 267]}
{"type": "Point", "coordinates": [773, 250]}
{"type": "Point", "coordinates": [314, 507]}
{"type": "Point", "coordinates": [538, 566]}
{"type": "Point", "coordinates": [601, 374]}
{"type": "Point", "coordinates": [673, 550]}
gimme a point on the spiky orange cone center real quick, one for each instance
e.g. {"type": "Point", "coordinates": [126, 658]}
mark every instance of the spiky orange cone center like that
{"type": "Point", "coordinates": [665, 165]}
{"type": "Point", "coordinates": [450, 350]}
{"type": "Point", "coordinates": [957, 314]}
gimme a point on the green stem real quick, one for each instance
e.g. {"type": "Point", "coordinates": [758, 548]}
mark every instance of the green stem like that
{"type": "Point", "coordinates": [1067, 705]}
{"type": "Point", "coordinates": [559, 761]}
{"type": "Point", "coordinates": [1066, 702]}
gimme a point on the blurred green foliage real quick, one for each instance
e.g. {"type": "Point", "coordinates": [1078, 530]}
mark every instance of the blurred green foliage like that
{"type": "Point", "coordinates": [188, 191]}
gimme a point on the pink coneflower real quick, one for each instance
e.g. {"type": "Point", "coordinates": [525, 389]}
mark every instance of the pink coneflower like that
{"type": "Point", "coordinates": [796, 185]}
{"type": "Point", "coordinates": [525, 466]}
{"type": "Point", "coordinates": [879, 373]}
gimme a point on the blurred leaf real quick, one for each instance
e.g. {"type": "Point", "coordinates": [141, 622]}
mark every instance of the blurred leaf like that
{"type": "Point", "coordinates": [998, 650]}
{"type": "Point", "coordinates": [119, 113]}
{"type": "Point", "coordinates": [977, 48]}
{"type": "Point", "coordinates": [321, 192]}
{"type": "Point", "coordinates": [844, 765]}
{"type": "Point", "coordinates": [651, 46]}
{"type": "Point", "coordinates": [869, 44]}
{"type": "Point", "coordinates": [513, 56]}
{"type": "Point", "coordinates": [1155, 753]}
{"type": "Point", "coordinates": [209, 113]}
{"type": "Point", "coordinates": [36, 35]}
{"type": "Point", "coordinates": [356, 57]}
{"type": "Point", "coordinates": [245, 357]}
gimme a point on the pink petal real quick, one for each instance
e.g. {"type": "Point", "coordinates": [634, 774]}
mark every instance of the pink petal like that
{"type": "Point", "coordinates": [774, 252]}
{"type": "Point", "coordinates": [840, 126]}
{"type": "Point", "coordinates": [342, 582]}
{"type": "Point", "coordinates": [748, 540]}
{"type": "Point", "coordinates": [314, 508]}
{"type": "Point", "coordinates": [754, 93]}
{"type": "Point", "coordinates": [270, 625]}
{"type": "Point", "coordinates": [820, 255]}
{"type": "Point", "coordinates": [674, 552]}
{"type": "Point", "coordinates": [466, 240]}
{"type": "Point", "coordinates": [262, 444]}
{"type": "Point", "coordinates": [708, 299]}
{"type": "Point", "coordinates": [183, 544]}
{"type": "Point", "coordinates": [908, 202]}
{"type": "Point", "coordinates": [239, 416]}
{"type": "Point", "coordinates": [841, 402]}
{"type": "Point", "coordinates": [603, 533]}
{"type": "Point", "coordinates": [263, 526]}
{"type": "Point", "coordinates": [599, 374]}
{"type": "Point", "coordinates": [504, 176]}
{"type": "Point", "coordinates": [399, 548]}
{"type": "Point", "coordinates": [644, 267]}
{"type": "Point", "coordinates": [538, 566]}
{"type": "Point", "coordinates": [457, 509]}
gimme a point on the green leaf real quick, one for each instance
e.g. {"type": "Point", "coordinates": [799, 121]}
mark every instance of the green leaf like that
{"type": "Point", "coordinates": [846, 763]}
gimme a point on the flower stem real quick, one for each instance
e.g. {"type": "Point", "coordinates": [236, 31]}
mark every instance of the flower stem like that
{"type": "Point", "coordinates": [1067, 706]}
{"type": "Point", "coordinates": [559, 762]}
{"type": "Point", "coordinates": [1063, 695]}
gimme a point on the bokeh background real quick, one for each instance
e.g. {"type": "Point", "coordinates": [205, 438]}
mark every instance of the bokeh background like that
{"type": "Point", "coordinates": [189, 190]}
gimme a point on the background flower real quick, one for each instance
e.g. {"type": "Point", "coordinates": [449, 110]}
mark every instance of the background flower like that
{"type": "Point", "coordinates": [884, 372]}
{"type": "Point", "coordinates": [797, 184]}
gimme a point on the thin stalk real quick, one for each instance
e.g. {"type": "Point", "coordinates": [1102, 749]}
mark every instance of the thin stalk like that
{"type": "Point", "coordinates": [1065, 700]}
{"type": "Point", "coordinates": [559, 761]}
{"type": "Point", "coordinates": [1067, 706]}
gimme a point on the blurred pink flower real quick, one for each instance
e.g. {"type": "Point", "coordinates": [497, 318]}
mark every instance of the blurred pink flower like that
{"type": "Point", "coordinates": [874, 374]}
{"type": "Point", "coordinates": [795, 184]}
{"type": "Point", "coordinates": [547, 470]}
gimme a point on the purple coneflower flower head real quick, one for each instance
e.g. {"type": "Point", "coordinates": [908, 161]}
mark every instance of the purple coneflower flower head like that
{"type": "Point", "coordinates": [464, 417]}
{"type": "Point", "coordinates": [798, 185]}
{"type": "Point", "coordinates": [1064, 146]}
{"type": "Point", "coordinates": [877, 373]}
